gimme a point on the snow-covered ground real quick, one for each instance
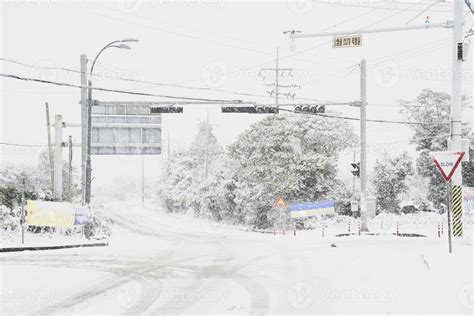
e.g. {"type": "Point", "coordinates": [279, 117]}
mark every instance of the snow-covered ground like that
{"type": "Point", "coordinates": [165, 264]}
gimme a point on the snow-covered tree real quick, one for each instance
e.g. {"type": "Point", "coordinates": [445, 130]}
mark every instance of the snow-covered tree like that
{"type": "Point", "coordinates": [389, 180]}
{"type": "Point", "coordinates": [431, 110]}
{"type": "Point", "coordinates": [37, 183]}
{"type": "Point", "coordinates": [293, 156]}
{"type": "Point", "coordinates": [186, 172]}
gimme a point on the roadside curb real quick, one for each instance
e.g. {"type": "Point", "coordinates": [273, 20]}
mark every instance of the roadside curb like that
{"type": "Point", "coordinates": [35, 248]}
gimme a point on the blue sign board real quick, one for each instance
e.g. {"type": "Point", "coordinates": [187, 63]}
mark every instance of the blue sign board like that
{"type": "Point", "coordinates": [308, 209]}
{"type": "Point", "coordinates": [82, 215]}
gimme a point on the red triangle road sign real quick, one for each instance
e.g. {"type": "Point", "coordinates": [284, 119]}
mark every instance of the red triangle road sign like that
{"type": "Point", "coordinates": [447, 162]}
{"type": "Point", "coordinates": [280, 202]}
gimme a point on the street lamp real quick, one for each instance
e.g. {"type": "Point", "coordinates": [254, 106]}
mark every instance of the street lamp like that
{"type": "Point", "coordinates": [115, 44]}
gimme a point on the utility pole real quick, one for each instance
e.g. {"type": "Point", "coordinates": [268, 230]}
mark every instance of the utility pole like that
{"type": "Point", "coordinates": [84, 127]}
{"type": "Point", "coordinates": [143, 178]}
{"type": "Point", "coordinates": [58, 159]}
{"type": "Point", "coordinates": [456, 87]}
{"type": "Point", "coordinates": [363, 145]}
{"type": "Point", "coordinates": [70, 170]}
{"type": "Point", "coordinates": [276, 78]}
{"type": "Point", "coordinates": [276, 85]}
{"type": "Point", "coordinates": [89, 136]}
{"type": "Point", "coordinates": [50, 149]}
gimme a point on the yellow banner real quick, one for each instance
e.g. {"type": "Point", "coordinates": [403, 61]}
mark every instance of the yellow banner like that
{"type": "Point", "coordinates": [53, 214]}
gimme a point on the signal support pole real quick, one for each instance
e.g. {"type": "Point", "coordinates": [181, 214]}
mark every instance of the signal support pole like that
{"type": "Point", "coordinates": [456, 87]}
{"type": "Point", "coordinates": [83, 124]}
{"type": "Point", "coordinates": [363, 144]}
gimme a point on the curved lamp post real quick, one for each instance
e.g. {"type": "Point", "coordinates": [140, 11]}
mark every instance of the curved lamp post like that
{"type": "Point", "coordinates": [115, 44]}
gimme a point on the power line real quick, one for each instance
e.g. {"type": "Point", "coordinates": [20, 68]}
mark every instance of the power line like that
{"type": "Point", "coordinates": [375, 7]}
{"type": "Point", "coordinates": [150, 82]}
{"type": "Point", "coordinates": [368, 120]}
{"type": "Point", "coordinates": [21, 145]}
{"type": "Point", "coordinates": [116, 90]}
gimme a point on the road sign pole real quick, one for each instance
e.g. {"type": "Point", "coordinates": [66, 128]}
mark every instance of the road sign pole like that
{"type": "Point", "coordinates": [448, 198]}
{"type": "Point", "coordinates": [363, 145]}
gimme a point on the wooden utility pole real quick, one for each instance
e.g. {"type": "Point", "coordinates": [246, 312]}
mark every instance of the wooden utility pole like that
{"type": "Point", "coordinates": [58, 159]}
{"type": "Point", "coordinates": [70, 170]}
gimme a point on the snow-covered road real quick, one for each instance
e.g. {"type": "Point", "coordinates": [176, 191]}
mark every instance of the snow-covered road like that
{"type": "Point", "coordinates": [166, 265]}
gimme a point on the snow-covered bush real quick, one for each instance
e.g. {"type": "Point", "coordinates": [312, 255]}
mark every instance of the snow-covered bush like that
{"type": "Point", "coordinates": [8, 219]}
{"type": "Point", "coordinates": [100, 226]}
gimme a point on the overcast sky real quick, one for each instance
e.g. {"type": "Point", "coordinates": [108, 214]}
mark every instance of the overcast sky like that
{"type": "Point", "coordinates": [216, 44]}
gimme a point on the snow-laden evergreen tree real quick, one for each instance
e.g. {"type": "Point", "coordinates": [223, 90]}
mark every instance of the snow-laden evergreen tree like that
{"type": "Point", "coordinates": [389, 180]}
{"type": "Point", "coordinates": [293, 156]}
{"type": "Point", "coordinates": [432, 111]}
{"type": "Point", "coordinates": [187, 173]}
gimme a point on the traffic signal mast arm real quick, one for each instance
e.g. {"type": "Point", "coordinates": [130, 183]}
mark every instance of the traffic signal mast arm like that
{"type": "Point", "coordinates": [446, 25]}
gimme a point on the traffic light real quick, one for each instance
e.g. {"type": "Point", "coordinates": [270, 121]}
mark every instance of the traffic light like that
{"type": "Point", "coordinates": [356, 171]}
{"type": "Point", "coordinates": [166, 109]}
{"type": "Point", "coordinates": [310, 108]}
{"type": "Point", "coordinates": [257, 109]}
